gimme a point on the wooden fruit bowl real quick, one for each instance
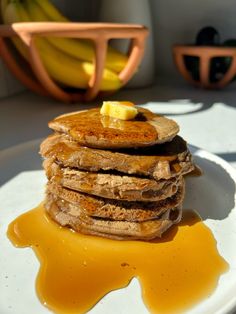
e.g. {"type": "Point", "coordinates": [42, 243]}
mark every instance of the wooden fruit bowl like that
{"type": "Point", "coordinates": [205, 54]}
{"type": "Point", "coordinates": [38, 80]}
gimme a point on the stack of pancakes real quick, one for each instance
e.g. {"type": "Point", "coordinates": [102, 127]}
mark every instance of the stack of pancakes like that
{"type": "Point", "coordinates": [114, 178]}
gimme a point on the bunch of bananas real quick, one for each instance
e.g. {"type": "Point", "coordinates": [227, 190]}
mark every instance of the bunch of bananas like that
{"type": "Point", "coordinates": [68, 61]}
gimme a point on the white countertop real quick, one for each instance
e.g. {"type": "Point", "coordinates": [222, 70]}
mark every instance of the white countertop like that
{"type": "Point", "coordinates": [207, 118]}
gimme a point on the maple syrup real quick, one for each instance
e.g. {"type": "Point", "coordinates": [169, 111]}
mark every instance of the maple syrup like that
{"type": "Point", "coordinates": [77, 270]}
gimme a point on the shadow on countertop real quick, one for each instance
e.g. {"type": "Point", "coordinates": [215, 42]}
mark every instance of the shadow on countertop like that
{"type": "Point", "coordinates": [230, 157]}
{"type": "Point", "coordinates": [173, 91]}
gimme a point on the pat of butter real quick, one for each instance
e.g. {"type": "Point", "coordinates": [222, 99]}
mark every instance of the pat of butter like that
{"type": "Point", "coordinates": [119, 110]}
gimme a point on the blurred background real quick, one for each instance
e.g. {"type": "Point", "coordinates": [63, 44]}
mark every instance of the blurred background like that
{"type": "Point", "coordinates": [169, 23]}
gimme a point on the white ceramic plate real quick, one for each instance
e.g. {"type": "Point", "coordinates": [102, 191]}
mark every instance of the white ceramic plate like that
{"type": "Point", "coordinates": [212, 195]}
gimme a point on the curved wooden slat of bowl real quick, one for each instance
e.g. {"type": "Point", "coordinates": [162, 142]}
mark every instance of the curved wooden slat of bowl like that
{"type": "Point", "coordinates": [100, 33]}
{"type": "Point", "coordinates": [229, 75]}
{"type": "Point", "coordinates": [136, 53]}
{"type": "Point", "coordinates": [99, 62]}
{"type": "Point", "coordinates": [205, 54]}
{"type": "Point", "coordinates": [137, 47]}
{"type": "Point", "coordinates": [178, 57]}
{"type": "Point", "coordinates": [18, 72]}
{"type": "Point", "coordinates": [204, 70]}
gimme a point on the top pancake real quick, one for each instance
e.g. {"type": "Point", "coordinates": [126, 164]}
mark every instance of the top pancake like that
{"type": "Point", "coordinates": [90, 128]}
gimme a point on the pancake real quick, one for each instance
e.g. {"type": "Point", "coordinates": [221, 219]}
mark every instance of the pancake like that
{"type": "Point", "coordinates": [90, 128]}
{"type": "Point", "coordinates": [120, 179]}
{"type": "Point", "coordinates": [115, 229]}
{"type": "Point", "coordinates": [74, 203]}
{"type": "Point", "coordinates": [162, 161]}
{"type": "Point", "coordinates": [112, 186]}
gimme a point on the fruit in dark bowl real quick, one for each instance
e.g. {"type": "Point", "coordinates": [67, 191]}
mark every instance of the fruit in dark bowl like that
{"type": "Point", "coordinates": [208, 36]}
{"type": "Point", "coordinates": [207, 63]}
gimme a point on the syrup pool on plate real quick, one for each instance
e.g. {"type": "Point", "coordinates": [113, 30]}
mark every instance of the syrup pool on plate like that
{"type": "Point", "coordinates": [175, 272]}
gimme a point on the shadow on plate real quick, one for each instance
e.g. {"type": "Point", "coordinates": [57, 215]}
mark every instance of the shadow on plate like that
{"type": "Point", "coordinates": [212, 194]}
{"type": "Point", "coordinates": [20, 158]}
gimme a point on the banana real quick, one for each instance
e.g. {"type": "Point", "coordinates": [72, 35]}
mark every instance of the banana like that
{"type": "Point", "coordinates": [71, 72]}
{"type": "Point", "coordinates": [11, 14]}
{"type": "Point", "coordinates": [3, 7]}
{"type": "Point", "coordinates": [74, 48]}
{"type": "Point", "coordinates": [61, 67]}
{"type": "Point", "coordinates": [78, 48]}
